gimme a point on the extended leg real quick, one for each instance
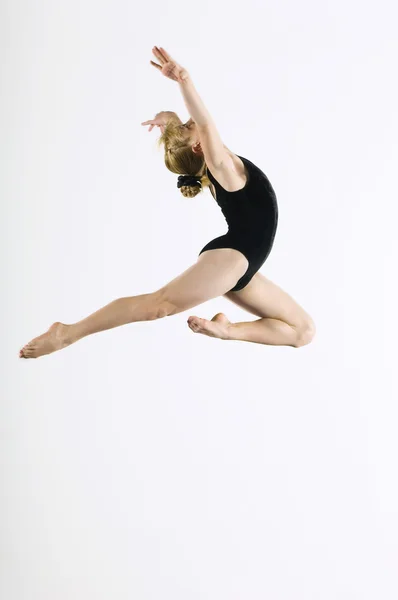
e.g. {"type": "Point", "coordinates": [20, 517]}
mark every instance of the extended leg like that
{"type": "Point", "coordinates": [215, 272]}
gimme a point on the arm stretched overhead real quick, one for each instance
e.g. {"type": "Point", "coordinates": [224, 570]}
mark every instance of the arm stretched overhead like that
{"type": "Point", "coordinates": [212, 145]}
{"type": "Point", "coordinates": [214, 151]}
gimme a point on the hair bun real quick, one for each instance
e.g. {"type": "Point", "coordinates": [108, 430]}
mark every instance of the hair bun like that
{"type": "Point", "coordinates": [189, 180]}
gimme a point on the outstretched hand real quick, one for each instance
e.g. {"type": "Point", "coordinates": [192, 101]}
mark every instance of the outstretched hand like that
{"type": "Point", "coordinates": [168, 66]}
{"type": "Point", "coordinates": [161, 119]}
{"type": "Point", "coordinates": [158, 121]}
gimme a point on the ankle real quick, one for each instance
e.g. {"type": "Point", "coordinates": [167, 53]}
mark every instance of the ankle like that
{"type": "Point", "coordinates": [69, 334]}
{"type": "Point", "coordinates": [231, 331]}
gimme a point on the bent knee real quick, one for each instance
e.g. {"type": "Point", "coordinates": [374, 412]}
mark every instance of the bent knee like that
{"type": "Point", "coordinates": [305, 333]}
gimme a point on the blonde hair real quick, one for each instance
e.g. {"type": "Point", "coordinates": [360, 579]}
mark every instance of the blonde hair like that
{"type": "Point", "coordinates": [179, 158]}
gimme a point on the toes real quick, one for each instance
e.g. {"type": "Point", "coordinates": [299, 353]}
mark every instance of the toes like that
{"type": "Point", "coordinates": [194, 323]}
{"type": "Point", "coordinates": [27, 351]}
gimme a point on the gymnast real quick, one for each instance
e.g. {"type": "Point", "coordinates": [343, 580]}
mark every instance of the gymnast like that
{"type": "Point", "coordinates": [226, 266]}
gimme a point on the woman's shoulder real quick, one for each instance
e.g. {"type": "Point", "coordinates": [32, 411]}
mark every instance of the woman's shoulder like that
{"type": "Point", "coordinates": [233, 174]}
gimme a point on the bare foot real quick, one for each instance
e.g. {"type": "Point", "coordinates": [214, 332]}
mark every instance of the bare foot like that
{"type": "Point", "coordinates": [54, 339]}
{"type": "Point", "coordinates": [218, 327]}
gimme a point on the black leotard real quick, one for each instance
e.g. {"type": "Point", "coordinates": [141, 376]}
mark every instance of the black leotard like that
{"type": "Point", "coordinates": [252, 217]}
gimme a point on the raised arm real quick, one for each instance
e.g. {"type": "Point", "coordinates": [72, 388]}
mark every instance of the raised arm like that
{"type": "Point", "coordinates": [213, 148]}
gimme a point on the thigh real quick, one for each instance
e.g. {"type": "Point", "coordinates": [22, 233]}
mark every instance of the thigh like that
{"type": "Point", "coordinates": [265, 299]}
{"type": "Point", "coordinates": [214, 273]}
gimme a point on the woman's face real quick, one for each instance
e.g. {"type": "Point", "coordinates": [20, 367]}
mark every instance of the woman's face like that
{"type": "Point", "coordinates": [190, 126]}
{"type": "Point", "coordinates": [191, 134]}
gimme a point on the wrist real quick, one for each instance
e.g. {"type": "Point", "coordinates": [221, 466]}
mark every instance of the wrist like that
{"type": "Point", "coordinates": [184, 77]}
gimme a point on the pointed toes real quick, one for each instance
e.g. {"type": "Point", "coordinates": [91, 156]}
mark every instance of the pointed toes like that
{"type": "Point", "coordinates": [27, 351]}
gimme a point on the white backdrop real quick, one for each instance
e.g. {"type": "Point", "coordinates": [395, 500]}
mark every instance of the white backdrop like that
{"type": "Point", "coordinates": [147, 461]}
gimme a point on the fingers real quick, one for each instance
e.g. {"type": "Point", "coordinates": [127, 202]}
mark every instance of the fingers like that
{"type": "Point", "coordinates": [152, 124]}
{"type": "Point", "coordinates": [160, 54]}
{"type": "Point", "coordinates": [155, 65]}
{"type": "Point", "coordinates": [165, 55]}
